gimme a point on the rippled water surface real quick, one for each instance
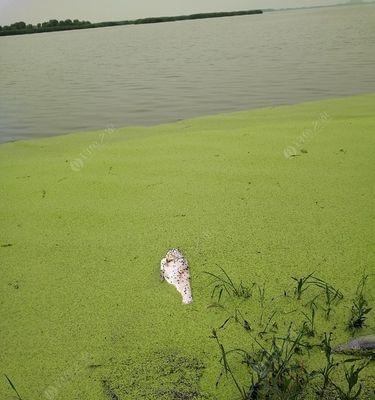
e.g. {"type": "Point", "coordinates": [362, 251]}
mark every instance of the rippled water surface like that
{"type": "Point", "coordinates": [140, 75]}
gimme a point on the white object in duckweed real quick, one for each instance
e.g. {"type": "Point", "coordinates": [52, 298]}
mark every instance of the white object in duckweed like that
{"type": "Point", "coordinates": [174, 268]}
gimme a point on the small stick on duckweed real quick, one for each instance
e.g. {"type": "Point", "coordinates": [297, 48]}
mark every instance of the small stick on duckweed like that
{"type": "Point", "coordinates": [13, 387]}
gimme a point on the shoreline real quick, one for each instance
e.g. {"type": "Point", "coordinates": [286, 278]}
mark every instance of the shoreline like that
{"type": "Point", "coordinates": [163, 19]}
{"type": "Point", "coordinates": [167, 123]}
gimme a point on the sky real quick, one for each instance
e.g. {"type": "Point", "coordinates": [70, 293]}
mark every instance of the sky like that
{"type": "Point", "coordinates": [33, 11]}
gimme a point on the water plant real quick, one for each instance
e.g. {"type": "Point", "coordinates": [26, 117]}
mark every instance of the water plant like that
{"type": "Point", "coordinates": [330, 365]}
{"type": "Point", "coordinates": [268, 327]}
{"type": "Point", "coordinates": [320, 283]}
{"type": "Point", "coordinates": [304, 283]}
{"type": "Point", "coordinates": [275, 361]}
{"type": "Point", "coordinates": [359, 309]}
{"type": "Point", "coordinates": [331, 298]}
{"type": "Point", "coordinates": [351, 377]}
{"type": "Point", "coordinates": [224, 283]}
{"type": "Point", "coordinates": [309, 325]}
{"type": "Point", "coordinates": [301, 285]}
{"type": "Point", "coordinates": [275, 369]}
{"type": "Point", "coordinates": [226, 369]}
{"type": "Point", "coordinates": [262, 297]}
{"type": "Point", "coordinates": [239, 318]}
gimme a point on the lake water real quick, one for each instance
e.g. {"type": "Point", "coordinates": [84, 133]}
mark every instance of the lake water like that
{"type": "Point", "coordinates": [141, 75]}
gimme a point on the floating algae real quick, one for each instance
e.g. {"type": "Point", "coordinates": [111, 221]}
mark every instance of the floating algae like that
{"type": "Point", "coordinates": [167, 374]}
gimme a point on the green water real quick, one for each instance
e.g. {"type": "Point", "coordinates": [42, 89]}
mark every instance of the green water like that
{"type": "Point", "coordinates": [87, 217]}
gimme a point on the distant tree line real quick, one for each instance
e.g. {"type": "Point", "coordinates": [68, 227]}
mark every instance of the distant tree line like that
{"type": "Point", "coordinates": [154, 20]}
{"type": "Point", "coordinates": [20, 28]}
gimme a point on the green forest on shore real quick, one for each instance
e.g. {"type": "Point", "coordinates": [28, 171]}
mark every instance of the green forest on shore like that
{"type": "Point", "coordinates": [21, 28]}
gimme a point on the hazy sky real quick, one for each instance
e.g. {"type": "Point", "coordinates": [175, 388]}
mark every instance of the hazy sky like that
{"type": "Point", "coordinates": [33, 11]}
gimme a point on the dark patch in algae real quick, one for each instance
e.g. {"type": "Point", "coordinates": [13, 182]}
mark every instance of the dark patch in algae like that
{"type": "Point", "coordinates": [168, 375]}
{"type": "Point", "coordinates": [109, 391]}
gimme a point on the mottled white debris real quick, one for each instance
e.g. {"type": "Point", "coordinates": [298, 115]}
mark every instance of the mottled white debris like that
{"type": "Point", "coordinates": [174, 269]}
